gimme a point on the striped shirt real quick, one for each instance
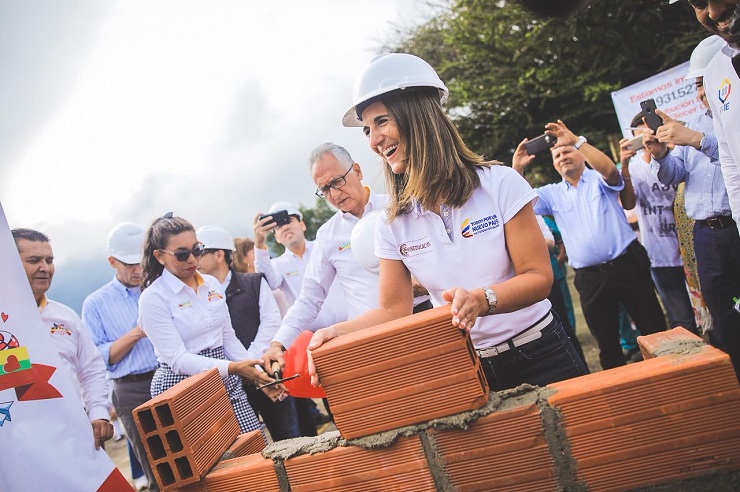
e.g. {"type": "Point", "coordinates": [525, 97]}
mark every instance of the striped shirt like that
{"type": "Point", "coordinates": [109, 313]}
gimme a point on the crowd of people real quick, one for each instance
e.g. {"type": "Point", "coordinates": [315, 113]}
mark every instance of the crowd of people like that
{"type": "Point", "coordinates": [453, 229]}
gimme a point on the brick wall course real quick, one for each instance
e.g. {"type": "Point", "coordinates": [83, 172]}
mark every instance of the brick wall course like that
{"type": "Point", "coordinates": [399, 467]}
{"type": "Point", "coordinates": [668, 418]}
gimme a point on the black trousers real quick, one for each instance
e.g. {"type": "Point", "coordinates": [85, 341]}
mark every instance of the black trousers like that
{"type": "Point", "coordinates": [625, 279]}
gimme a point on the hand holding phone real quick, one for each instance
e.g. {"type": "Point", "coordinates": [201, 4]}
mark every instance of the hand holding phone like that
{"type": "Point", "coordinates": [635, 142]}
{"type": "Point", "coordinates": [648, 112]}
{"type": "Point", "coordinates": [538, 144]}
{"type": "Point", "coordinates": [279, 218]}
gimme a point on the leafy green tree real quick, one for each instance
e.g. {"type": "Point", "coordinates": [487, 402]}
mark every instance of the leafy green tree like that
{"type": "Point", "coordinates": [510, 72]}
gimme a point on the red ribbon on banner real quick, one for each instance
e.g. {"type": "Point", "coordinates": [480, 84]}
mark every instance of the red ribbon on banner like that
{"type": "Point", "coordinates": [31, 384]}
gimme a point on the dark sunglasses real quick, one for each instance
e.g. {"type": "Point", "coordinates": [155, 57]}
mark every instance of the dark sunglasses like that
{"type": "Point", "coordinates": [183, 255]}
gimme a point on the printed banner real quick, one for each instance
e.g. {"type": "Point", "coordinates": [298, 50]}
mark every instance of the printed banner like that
{"type": "Point", "coordinates": [46, 440]}
{"type": "Point", "coordinates": [673, 95]}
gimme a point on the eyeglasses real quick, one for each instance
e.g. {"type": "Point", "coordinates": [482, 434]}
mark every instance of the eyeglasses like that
{"type": "Point", "coordinates": [334, 184]}
{"type": "Point", "coordinates": [184, 255]}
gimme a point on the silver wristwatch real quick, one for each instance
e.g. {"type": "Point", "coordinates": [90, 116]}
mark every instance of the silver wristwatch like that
{"type": "Point", "coordinates": [492, 300]}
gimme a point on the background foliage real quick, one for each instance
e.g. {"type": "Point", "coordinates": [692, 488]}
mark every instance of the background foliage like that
{"type": "Point", "coordinates": [510, 72]}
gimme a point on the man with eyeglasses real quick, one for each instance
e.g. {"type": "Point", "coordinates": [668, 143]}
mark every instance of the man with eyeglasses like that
{"type": "Point", "coordinates": [71, 340]}
{"type": "Point", "coordinates": [339, 181]}
{"type": "Point", "coordinates": [110, 314]}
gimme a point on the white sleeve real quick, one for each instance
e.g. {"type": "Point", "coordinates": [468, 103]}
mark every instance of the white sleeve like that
{"type": "Point", "coordinates": [386, 246]}
{"type": "Point", "coordinates": [263, 264]}
{"type": "Point", "coordinates": [269, 322]}
{"type": "Point", "coordinates": [730, 170]}
{"type": "Point", "coordinates": [320, 273]}
{"type": "Point", "coordinates": [91, 375]}
{"type": "Point", "coordinates": [549, 238]}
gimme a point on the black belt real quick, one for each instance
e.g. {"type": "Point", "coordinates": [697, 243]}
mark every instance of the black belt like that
{"type": "Point", "coordinates": [606, 266]}
{"type": "Point", "coordinates": [135, 377]}
{"type": "Point", "coordinates": [719, 222]}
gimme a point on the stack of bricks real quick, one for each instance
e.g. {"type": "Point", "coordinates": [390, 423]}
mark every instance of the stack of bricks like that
{"type": "Point", "coordinates": [668, 420]}
{"type": "Point", "coordinates": [187, 428]}
{"type": "Point", "coordinates": [399, 373]}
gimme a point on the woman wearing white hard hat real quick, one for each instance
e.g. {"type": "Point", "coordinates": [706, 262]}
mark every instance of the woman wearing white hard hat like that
{"type": "Point", "coordinates": [464, 227]}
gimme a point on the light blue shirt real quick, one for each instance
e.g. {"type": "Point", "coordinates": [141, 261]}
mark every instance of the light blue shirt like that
{"type": "Point", "coordinates": [705, 194]}
{"type": "Point", "coordinates": [109, 313]}
{"type": "Point", "coordinates": [591, 220]}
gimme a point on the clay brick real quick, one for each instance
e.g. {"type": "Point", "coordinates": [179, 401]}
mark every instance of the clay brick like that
{"type": "Point", "coordinates": [668, 418]}
{"type": "Point", "coordinates": [400, 373]}
{"type": "Point", "coordinates": [250, 473]}
{"type": "Point", "coordinates": [399, 467]}
{"type": "Point", "coordinates": [505, 450]}
{"type": "Point", "coordinates": [187, 428]}
{"type": "Point", "coordinates": [674, 340]}
{"type": "Point", "coordinates": [246, 444]}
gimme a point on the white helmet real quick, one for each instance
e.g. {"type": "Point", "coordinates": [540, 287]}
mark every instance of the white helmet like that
{"type": "Point", "coordinates": [390, 72]}
{"type": "Point", "coordinates": [703, 54]}
{"type": "Point", "coordinates": [362, 240]}
{"type": "Point", "coordinates": [214, 237]}
{"type": "Point", "coordinates": [288, 207]}
{"type": "Point", "coordinates": [126, 243]}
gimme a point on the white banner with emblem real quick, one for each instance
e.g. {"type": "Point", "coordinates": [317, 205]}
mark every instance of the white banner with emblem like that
{"type": "Point", "coordinates": [46, 440]}
{"type": "Point", "coordinates": [673, 95]}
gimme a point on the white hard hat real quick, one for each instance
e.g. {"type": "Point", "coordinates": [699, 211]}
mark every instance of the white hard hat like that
{"type": "Point", "coordinates": [390, 72]}
{"type": "Point", "coordinates": [362, 240]}
{"type": "Point", "coordinates": [126, 243]}
{"type": "Point", "coordinates": [214, 237]}
{"type": "Point", "coordinates": [287, 206]}
{"type": "Point", "coordinates": [703, 54]}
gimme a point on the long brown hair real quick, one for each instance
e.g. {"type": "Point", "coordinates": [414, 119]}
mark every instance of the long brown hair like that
{"type": "Point", "coordinates": [439, 166]}
{"type": "Point", "coordinates": [157, 236]}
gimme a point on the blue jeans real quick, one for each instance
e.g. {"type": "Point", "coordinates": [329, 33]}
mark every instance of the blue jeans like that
{"type": "Point", "coordinates": [540, 362]}
{"type": "Point", "coordinates": [670, 282]}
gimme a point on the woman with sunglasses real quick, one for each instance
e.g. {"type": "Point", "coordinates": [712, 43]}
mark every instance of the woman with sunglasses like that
{"type": "Point", "coordinates": [464, 227]}
{"type": "Point", "coordinates": [186, 318]}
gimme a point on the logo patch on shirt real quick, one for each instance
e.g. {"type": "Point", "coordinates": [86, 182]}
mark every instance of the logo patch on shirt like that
{"type": "Point", "coordinates": [723, 94]}
{"type": "Point", "coordinates": [344, 247]}
{"type": "Point", "coordinates": [60, 329]}
{"type": "Point", "coordinates": [293, 273]}
{"type": "Point", "coordinates": [213, 294]}
{"type": "Point", "coordinates": [415, 248]}
{"type": "Point", "coordinates": [185, 304]}
{"type": "Point", "coordinates": [478, 226]}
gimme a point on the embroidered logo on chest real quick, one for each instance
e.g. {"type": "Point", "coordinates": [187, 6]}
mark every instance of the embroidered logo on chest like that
{"type": "Point", "coordinates": [723, 94]}
{"type": "Point", "coordinates": [344, 247]}
{"type": "Point", "coordinates": [415, 248]}
{"type": "Point", "coordinates": [479, 226]}
{"type": "Point", "coordinates": [60, 329]}
{"type": "Point", "coordinates": [185, 304]}
{"type": "Point", "coordinates": [212, 294]}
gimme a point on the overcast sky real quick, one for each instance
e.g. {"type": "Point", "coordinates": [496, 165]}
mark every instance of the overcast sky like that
{"type": "Point", "coordinates": [122, 111]}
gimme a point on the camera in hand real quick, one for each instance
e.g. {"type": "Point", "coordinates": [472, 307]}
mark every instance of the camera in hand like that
{"type": "Point", "coordinates": [538, 144]}
{"type": "Point", "coordinates": [648, 112]}
{"type": "Point", "coordinates": [279, 218]}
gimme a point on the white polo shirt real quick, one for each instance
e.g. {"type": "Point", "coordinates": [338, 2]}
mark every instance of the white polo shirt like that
{"type": "Point", "coordinates": [181, 322]}
{"type": "Point", "coordinates": [475, 257]}
{"type": "Point", "coordinates": [720, 79]}
{"type": "Point", "coordinates": [286, 273]}
{"type": "Point", "coordinates": [332, 259]}
{"type": "Point", "coordinates": [80, 357]}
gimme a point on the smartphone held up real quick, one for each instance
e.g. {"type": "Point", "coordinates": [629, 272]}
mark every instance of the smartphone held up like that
{"type": "Point", "coordinates": [538, 144]}
{"type": "Point", "coordinates": [279, 218]}
{"type": "Point", "coordinates": [648, 112]}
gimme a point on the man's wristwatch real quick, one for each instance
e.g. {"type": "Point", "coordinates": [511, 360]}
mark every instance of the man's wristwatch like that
{"type": "Point", "coordinates": [581, 140]}
{"type": "Point", "coordinates": [492, 300]}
